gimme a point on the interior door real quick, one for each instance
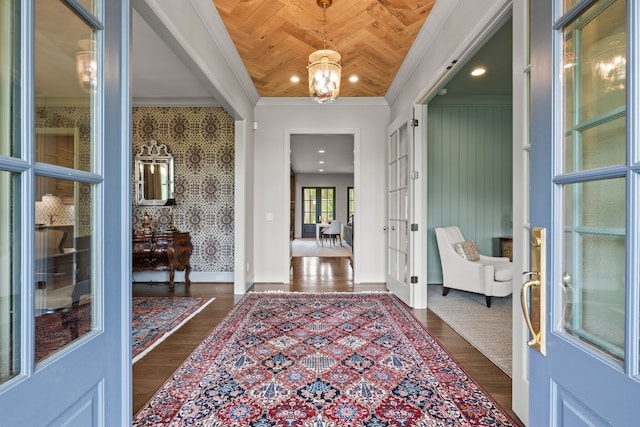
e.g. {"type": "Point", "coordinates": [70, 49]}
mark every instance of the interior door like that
{"type": "Point", "coordinates": [405, 243]}
{"type": "Point", "coordinates": [585, 191]}
{"type": "Point", "coordinates": [64, 328]}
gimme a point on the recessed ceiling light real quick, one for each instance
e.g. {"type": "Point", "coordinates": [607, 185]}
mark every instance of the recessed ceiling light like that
{"type": "Point", "coordinates": [478, 72]}
{"type": "Point", "coordinates": [321, 162]}
{"type": "Point", "coordinates": [295, 79]}
{"type": "Point", "coordinates": [320, 170]}
{"type": "Point", "coordinates": [353, 78]}
{"type": "Point", "coordinates": [320, 151]}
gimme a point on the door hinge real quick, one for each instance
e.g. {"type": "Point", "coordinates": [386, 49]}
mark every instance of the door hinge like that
{"type": "Point", "coordinates": [414, 123]}
{"type": "Point", "coordinates": [414, 279]}
{"type": "Point", "coordinates": [414, 174]}
{"type": "Point", "coordinates": [414, 227]}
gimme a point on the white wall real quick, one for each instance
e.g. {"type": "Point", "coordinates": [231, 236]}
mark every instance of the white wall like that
{"type": "Point", "coordinates": [277, 118]}
{"type": "Point", "coordinates": [339, 181]}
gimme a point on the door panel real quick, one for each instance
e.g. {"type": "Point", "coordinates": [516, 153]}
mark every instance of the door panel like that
{"type": "Point", "coordinates": [584, 192]}
{"type": "Point", "coordinates": [404, 208]}
{"type": "Point", "coordinates": [69, 332]}
{"type": "Point", "coordinates": [397, 248]}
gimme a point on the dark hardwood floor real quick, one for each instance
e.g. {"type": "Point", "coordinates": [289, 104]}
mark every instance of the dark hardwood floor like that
{"type": "Point", "coordinates": [309, 275]}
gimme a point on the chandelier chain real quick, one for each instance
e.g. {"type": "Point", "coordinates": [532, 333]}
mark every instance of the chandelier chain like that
{"type": "Point", "coordinates": [324, 26]}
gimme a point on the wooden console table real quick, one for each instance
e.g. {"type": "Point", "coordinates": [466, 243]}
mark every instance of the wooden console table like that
{"type": "Point", "coordinates": [163, 252]}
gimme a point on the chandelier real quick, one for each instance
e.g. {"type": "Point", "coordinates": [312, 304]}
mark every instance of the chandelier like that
{"type": "Point", "coordinates": [324, 66]}
{"type": "Point", "coordinates": [86, 66]}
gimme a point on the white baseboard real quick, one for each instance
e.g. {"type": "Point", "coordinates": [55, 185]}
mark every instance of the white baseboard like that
{"type": "Point", "coordinates": [194, 276]}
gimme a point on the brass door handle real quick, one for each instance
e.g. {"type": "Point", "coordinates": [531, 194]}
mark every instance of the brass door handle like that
{"type": "Point", "coordinates": [535, 336]}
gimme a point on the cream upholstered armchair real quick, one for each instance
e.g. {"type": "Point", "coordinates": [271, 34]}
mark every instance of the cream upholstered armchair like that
{"type": "Point", "coordinates": [465, 269]}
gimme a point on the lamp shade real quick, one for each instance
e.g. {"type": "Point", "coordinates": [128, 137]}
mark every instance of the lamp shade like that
{"type": "Point", "coordinates": [324, 75]}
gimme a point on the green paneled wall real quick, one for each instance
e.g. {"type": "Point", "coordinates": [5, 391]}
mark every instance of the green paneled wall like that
{"type": "Point", "coordinates": [469, 170]}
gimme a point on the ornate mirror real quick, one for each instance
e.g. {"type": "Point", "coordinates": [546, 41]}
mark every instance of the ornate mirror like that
{"type": "Point", "coordinates": [154, 174]}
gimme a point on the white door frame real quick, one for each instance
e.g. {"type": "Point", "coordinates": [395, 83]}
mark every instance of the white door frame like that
{"type": "Point", "coordinates": [286, 188]}
{"type": "Point", "coordinates": [521, 226]}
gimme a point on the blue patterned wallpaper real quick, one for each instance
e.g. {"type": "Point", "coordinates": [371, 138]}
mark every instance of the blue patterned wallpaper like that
{"type": "Point", "coordinates": [201, 140]}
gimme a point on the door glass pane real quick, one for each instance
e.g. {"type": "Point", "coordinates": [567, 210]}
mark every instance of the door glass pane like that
{"type": "Point", "coordinates": [65, 83]}
{"type": "Point", "coordinates": [594, 69]}
{"type": "Point", "coordinates": [10, 263]}
{"type": "Point", "coordinates": [393, 175]}
{"type": "Point", "coordinates": [403, 171]}
{"type": "Point", "coordinates": [393, 205]}
{"type": "Point", "coordinates": [567, 4]}
{"type": "Point", "coordinates": [393, 146]}
{"type": "Point", "coordinates": [593, 309]}
{"type": "Point", "coordinates": [403, 143]}
{"type": "Point", "coordinates": [91, 5]}
{"type": "Point", "coordinates": [393, 263]}
{"type": "Point", "coordinates": [64, 302]}
{"type": "Point", "coordinates": [327, 211]}
{"type": "Point", "coordinates": [350, 205]}
{"type": "Point", "coordinates": [10, 192]}
{"type": "Point", "coordinates": [309, 201]}
{"type": "Point", "coordinates": [9, 78]}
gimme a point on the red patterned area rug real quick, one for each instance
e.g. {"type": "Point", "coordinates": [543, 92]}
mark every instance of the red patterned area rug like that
{"type": "Point", "coordinates": [321, 360]}
{"type": "Point", "coordinates": [155, 318]}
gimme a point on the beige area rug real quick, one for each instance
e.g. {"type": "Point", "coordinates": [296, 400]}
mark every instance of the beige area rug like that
{"type": "Point", "coordinates": [487, 329]}
{"type": "Point", "coordinates": [309, 247]}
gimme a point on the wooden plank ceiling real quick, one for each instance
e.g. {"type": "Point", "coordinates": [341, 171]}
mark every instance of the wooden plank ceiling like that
{"type": "Point", "coordinates": [275, 37]}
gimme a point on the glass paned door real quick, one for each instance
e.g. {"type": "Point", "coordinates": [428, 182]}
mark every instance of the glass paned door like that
{"type": "Point", "coordinates": [318, 204]}
{"type": "Point", "coordinates": [10, 265]}
{"type": "Point", "coordinates": [10, 194]}
{"type": "Point", "coordinates": [63, 335]}
{"type": "Point", "coordinates": [585, 175]}
{"type": "Point", "coordinates": [64, 210]}
{"type": "Point", "coordinates": [398, 250]}
{"type": "Point", "coordinates": [593, 303]}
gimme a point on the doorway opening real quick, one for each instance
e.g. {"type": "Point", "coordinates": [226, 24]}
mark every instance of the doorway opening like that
{"type": "Point", "coordinates": [469, 128]}
{"type": "Point", "coordinates": [322, 182]}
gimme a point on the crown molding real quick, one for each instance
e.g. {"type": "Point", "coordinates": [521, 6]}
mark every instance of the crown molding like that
{"type": "Point", "coordinates": [299, 102]}
{"type": "Point", "coordinates": [173, 102]}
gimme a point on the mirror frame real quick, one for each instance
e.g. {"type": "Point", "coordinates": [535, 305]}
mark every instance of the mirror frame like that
{"type": "Point", "coordinates": [153, 154]}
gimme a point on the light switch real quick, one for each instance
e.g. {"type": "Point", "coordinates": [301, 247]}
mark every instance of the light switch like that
{"type": "Point", "coordinates": [270, 216]}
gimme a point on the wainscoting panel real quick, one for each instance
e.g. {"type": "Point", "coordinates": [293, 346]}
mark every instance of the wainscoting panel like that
{"type": "Point", "coordinates": [469, 176]}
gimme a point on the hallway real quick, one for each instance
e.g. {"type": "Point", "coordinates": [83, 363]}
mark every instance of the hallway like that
{"type": "Point", "coordinates": [308, 274]}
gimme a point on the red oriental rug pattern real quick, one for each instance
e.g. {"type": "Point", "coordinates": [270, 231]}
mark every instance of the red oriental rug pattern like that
{"type": "Point", "coordinates": [321, 360]}
{"type": "Point", "coordinates": [153, 319]}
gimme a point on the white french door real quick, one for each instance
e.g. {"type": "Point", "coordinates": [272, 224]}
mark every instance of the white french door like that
{"type": "Point", "coordinates": [65, 288]}
{"type": "Point", "coordinates": [585, 191]}
{"type": "Point", "coordinates": [405, 277]}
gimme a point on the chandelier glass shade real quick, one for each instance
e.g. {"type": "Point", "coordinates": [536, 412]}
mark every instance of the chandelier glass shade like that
{"type": "Point", "coordinates": [87, 66]}
{"type": "Point", "coordinates": [324, 66]}
{"type": "Point", "coordinates": [324, 75]}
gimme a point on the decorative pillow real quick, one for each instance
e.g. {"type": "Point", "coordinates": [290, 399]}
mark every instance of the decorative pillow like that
{"type": "Point", "coordinates": [467, 250]}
